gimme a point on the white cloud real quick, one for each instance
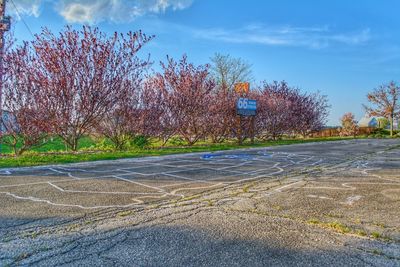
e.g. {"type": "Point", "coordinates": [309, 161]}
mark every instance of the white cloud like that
{"type": "Point", "coordinates": [94, 11]}
{"type": "Point", "coordinates": [312, 37]}
{"type": "Point", "coordinates": [357, 38]}
{"type": "Point", "coordinates": [24, 7]}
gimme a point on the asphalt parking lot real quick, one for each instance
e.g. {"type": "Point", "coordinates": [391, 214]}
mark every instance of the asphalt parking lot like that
{"type": "Point", "coordinates": [325, 203]}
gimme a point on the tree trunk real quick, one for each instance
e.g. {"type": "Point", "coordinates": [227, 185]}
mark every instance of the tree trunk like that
{"type": "Point", "coordinates": [118, 146]}
{"type": "Point", "coordinates": [239, 130]}
{"type": "Point", "coordinates": [164, 141]}
{"type": "Point", "coordinates": [15, 151]}
{"type": "Point", "coordinates": [391, 125]}
{"type": "Point", "coordinates": [19, 152]}
{"type": "Point", "coordinates": [71, 142]}
{"type": "Point", "coordinates": [75, 144]}
{"type": "Point", "coordinates": [14, 146]}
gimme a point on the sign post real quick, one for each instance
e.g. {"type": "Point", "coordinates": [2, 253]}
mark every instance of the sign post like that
{"type": "Point", "coordinates": [247, 108]}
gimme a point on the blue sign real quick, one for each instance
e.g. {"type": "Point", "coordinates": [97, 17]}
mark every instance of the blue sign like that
{"type": "Point", "coordinates": [246, 107]}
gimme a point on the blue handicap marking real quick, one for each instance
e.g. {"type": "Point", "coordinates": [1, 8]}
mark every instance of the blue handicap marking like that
{"type": "Point", "coordinates": [210, 156]}
{"type": "Point", "coordinates": [238, 156]}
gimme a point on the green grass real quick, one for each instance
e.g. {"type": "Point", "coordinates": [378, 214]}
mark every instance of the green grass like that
{"type": "Point", "coordinates": [339, 227]}
{"type": "Point", "coordinates": [52, 145]}
{"type": "Point", "coordinates": [247, 187]}
{"type": "Point", "coordinates": [361, 232]}
{"type": "Point", "coordinates": [336, 226]}
{"type": "Point", "coordinates": [376, 235]}
{"type": "Point", "coordinates": [124, 213]}
{"type": "Point", "coordinates": [53, 152]}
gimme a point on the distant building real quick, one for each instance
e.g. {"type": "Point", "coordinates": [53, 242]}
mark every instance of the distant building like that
{"type": "Point", "coordinates": [367, 121]}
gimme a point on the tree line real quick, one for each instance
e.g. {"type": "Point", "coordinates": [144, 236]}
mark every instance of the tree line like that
{"type": "Point", "coordinates": [384, 106]}
{"type": "Point", "coordinates": [83, 82]}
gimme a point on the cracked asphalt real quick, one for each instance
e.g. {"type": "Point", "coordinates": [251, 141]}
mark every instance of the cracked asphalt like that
{"type": "Point", "coordinates": [330, 203]}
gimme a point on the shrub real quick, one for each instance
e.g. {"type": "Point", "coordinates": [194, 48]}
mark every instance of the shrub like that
{"type": "Point", "coordinates": [177, 141]}
{"type": "Point", "coordinates": [141, 141]}
{"type": "Point", "coordinates": [349, 125]}
{"type": "Point", "coordinates": [104, 144]}
{"type": "Point", "coordinates": [380, 133]}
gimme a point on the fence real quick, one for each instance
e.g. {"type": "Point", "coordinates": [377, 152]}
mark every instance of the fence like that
{"type": "Point", "coordinates": [332, 132]}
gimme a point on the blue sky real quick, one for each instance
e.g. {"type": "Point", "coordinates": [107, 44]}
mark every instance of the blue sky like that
{"type": "Point", "coordinates": [341, 48]}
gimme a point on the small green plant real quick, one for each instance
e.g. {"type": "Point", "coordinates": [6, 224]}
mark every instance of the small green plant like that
{"type": "Point", "coordinates": [210, 203]}
{"type": "Point", "coordinates": [381, 225]}
{"type": "Point", "coordinates": [314, 221]}
{"type": "Point", "coordinates": [377, 252]}
{"type": "Point", "coordinates": [188, 198]}
{"type": "Point", "coordinates": [72, 227]}
{"type": "Point", "coordinates": [339, 227]}
{"type": "Point", "coordinates": [234, 194]}
{"type": "Point", "coordinates": [361, 233]}
{"type": "Point", "coordinates": [34, 234]}
{"type": "Point", "coordinates": [376, 235]}
{"type": "Point", "coordinates": [124, 213]}
{"type": "Point", "coordinates": [246, 188]}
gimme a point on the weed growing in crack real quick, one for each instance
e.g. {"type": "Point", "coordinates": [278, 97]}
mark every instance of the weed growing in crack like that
{"type": "Point", "coordinates": [22, 256]}
{"type": "Point", "coordinates": [376, 235]}
{"type": "Point", "coordinates": [381, 225]}
{"type": "Point", "coordinates": [210, 203]}
{"type": "Point", "coordinates": [124, 213]}
{"type": "Point", "coordinates": [360, 232]}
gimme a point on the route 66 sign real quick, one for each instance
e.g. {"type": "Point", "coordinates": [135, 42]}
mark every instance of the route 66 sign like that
{"type": "Point", "coordinates": [246, 107]}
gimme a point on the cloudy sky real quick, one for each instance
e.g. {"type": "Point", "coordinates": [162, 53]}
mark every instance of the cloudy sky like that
{"type": "Point", "coordinates": [342, 48]}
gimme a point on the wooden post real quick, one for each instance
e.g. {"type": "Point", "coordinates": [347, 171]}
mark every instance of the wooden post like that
{"type": "Point", "coordinates": [253, 118]}
{"type": "Point", "coordinates": [239, 134]}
